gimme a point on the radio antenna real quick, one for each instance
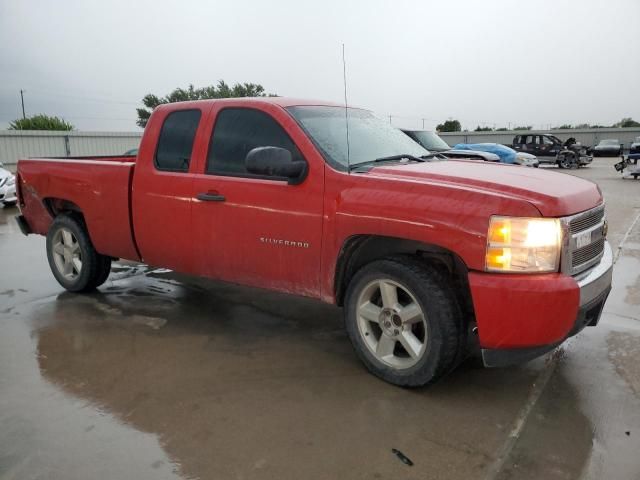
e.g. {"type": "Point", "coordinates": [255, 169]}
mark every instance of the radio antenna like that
{"type": "Point", "coordinates": [346, 111]}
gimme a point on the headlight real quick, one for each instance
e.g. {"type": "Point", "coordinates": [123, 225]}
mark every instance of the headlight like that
{"type": "Point", "coordinates": [12, 180]}
{"type": "Point", "coordinates": [521, 159]}
{"type": "Point", "coordinates": [523, 245]}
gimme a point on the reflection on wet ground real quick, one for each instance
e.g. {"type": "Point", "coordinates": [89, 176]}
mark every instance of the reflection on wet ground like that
{"type": "Point", "coordinates": [163, 376]}
{"type": "Point", "coordinates": [244, 383]}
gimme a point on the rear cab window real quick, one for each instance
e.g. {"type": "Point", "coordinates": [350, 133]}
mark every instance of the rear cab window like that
{"type": "Point", "coordinates": [175, 143]}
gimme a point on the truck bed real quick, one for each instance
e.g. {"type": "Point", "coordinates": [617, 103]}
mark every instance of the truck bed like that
{"type": "Point", "coordinates": [98, 187]}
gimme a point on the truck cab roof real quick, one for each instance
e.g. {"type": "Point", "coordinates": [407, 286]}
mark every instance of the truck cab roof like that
{"type": "Point", "coordinates": [283, 102]}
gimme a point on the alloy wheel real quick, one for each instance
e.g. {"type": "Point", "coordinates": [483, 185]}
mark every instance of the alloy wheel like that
{"type": "Point", "coordinates": [67, 255]}
{"type": "Point", "coordinates": [392, 324]}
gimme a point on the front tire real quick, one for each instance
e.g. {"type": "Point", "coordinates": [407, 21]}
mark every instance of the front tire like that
{"type": "Point", "coordinates": [569, 161]}
{"type": "Point", "coordinates": [73, 260]}
{"type": "Point", "coordinates": [404, 321]}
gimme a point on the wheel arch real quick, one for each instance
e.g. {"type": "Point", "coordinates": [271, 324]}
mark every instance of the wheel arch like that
{"type": "Point", "coordinates": [57, 206]}
{"type": "Point", "coordinates": [359, 250]}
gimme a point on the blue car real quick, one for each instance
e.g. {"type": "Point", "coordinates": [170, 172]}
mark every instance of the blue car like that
{"type": "Point", "coordinates": [506, 154]}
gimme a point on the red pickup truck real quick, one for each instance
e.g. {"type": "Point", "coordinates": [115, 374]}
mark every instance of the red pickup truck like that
{"type": "Point", "coordinates": [429, 257]}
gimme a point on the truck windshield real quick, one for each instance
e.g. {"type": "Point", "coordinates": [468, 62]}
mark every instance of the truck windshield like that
{"type": "Point", "coordinates": [369, 136]}
{"type": "Point", "coordinates": [429, 140]}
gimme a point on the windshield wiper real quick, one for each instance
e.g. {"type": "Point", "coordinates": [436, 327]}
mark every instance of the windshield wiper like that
{"type": "Point", "coordinates": [391, 158]}
{"type": "Point", "coordinates": [440, 155]}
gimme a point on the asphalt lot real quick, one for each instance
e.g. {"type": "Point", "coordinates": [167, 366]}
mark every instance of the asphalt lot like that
{"type": "Point", "coordinates": [163, 376]}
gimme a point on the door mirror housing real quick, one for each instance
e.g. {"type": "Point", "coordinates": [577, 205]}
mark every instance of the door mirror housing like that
{"type": "Point", "coordinates": [275, 162]}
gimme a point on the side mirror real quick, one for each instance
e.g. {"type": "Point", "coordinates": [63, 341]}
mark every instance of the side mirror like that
{"type": "Point", "coordinates": [275, 162]}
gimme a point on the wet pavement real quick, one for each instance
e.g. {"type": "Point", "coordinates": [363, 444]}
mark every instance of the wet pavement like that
{"type": "Point", "coordinates": [158, 375]}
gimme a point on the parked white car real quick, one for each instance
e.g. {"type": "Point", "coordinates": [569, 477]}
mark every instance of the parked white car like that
{"type": "Point", "coordinates": [7, 187]}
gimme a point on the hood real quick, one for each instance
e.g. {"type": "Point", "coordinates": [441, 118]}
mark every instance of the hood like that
{"type": "Point", "coordinates": [554, 194]}
{"type": "Point", "coordinates": [5, 173]}
{"type": "Point", "coordinates": [607, 147]}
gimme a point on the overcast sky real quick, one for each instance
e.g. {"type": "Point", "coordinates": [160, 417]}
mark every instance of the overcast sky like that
{"type": "Point", "coordinates": [483, 62]}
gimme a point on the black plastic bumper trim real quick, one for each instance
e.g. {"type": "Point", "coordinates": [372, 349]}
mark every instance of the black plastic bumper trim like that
{"type": "Point", "coordinates": [23, 225]}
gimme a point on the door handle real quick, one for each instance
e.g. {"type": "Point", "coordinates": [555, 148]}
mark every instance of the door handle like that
{"type": "Point", "coordinates": [210, 197]}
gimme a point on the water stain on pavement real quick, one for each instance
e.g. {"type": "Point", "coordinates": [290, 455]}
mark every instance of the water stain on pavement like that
{"type": "Point", "coordinates": [558, 438]}
{"type": "Point", "coordinates": [624, 353]}
{"type": "Point", "coordinates": [235, 380]}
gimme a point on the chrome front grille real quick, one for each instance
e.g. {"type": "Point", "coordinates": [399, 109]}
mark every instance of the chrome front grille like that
{"type": "Point", "coordinates": [583, 240]}
{"type": "Point", "coordinates": [584, 254]}
{"type": "Point", "coordinates": [593, 217]}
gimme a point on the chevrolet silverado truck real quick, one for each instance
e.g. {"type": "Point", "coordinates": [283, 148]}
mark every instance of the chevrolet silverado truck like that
{"type": "Point", "coordinates": [430, 258]}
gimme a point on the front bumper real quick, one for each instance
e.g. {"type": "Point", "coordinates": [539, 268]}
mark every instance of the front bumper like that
{"type": "Point", "coordinates": [615, 152]}
{"type": "Point", "coordinates": [521, 317]}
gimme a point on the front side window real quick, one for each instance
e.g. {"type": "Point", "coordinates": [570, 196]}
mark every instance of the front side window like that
{"type": "Point", "coordinates": [547, 141]}
{"type": "Point", "coordinates": [175, 143]}
{"type": "Point", "coordinates": [238, 131]}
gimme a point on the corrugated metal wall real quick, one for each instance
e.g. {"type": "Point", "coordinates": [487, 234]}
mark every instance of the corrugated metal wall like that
{"type": "Point", "coordinates": [16, 144]}
{"type": "Point", "coordinates": [588, 137]}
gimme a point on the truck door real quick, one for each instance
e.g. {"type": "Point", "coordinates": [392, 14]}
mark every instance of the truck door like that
{"type": "Point", "coordinates": [162, 185]}
{"type": "Point", "coordinates": [530, 144]}
{"type": "Point", "coordinates": [517, 143]}
{"type": "Point", "coordinates": [257, 230]}
{"type": "Point", "coordinates": [547, 147]}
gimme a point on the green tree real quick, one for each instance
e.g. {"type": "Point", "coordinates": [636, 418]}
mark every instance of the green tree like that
{"type": "Point", "coordinates": [502, 129]}
{"type": "Point", "coordinates": [626, 123]}
{"type": "Point", "coordinates": [564, 126]}
{"type": "Point", "coordinates": [221, 90]}
{"type": "Point", "coordinates": [449, 126]}
{"type": "Point", "coordinates": [483, 129]}
{"type": "Point", "coordinates": [528, 127]}
{"type": "Point", "coordinates": [40, 122]}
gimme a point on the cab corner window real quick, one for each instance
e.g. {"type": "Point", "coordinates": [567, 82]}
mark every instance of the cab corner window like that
{"type": "Point", "coordinates": [236, 132]}
{"type": "Point", "coordinates": [175, 143]}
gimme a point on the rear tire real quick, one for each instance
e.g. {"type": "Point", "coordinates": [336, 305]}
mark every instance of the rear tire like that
{"type": "Point", "coordinates": [404, 321]}
{"type": "Point", "coordinates": [73, 260]}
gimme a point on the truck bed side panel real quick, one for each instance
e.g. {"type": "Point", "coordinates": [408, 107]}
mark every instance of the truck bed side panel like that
{"type": "Point", "coordinates": [100, 188]}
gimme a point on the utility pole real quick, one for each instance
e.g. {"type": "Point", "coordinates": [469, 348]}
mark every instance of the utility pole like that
{"type": "Point", "coordinates": [423, 123]}
{"type": "Point", "coordinates": [22, 100]}
{"type": "Point", "coordinates": [389, 119]}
